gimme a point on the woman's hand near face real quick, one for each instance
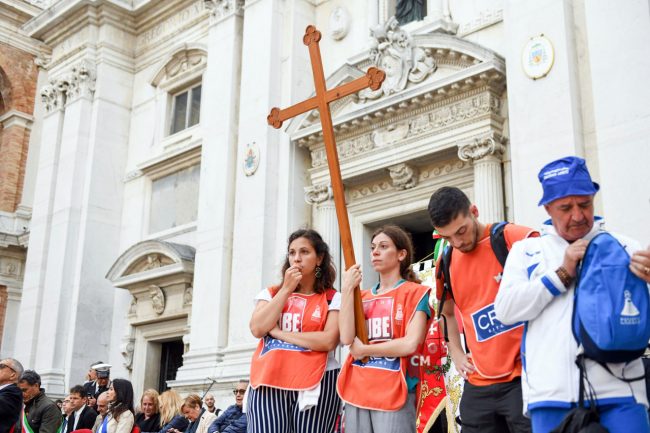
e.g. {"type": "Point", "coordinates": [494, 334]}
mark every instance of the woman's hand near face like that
{"type": "Point", "coordinates": [351, 279]}
{"type": "Point", "coordinates": [292, 277]}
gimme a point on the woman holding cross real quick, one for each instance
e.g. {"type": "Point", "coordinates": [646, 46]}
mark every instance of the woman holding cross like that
{"type": "Point", "coordinates": [293, 371]}
{"type": "Point", "coordinates": [380, 393]}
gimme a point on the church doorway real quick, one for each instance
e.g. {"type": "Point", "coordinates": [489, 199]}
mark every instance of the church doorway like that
{"type": "Point", "coordinates": [171, 359]}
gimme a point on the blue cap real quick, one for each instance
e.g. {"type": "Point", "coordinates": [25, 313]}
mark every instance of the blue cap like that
{"type": "Point", "coordinates": [565, 177]}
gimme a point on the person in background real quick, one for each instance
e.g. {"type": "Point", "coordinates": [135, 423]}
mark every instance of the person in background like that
{"type": "Point", "coordinates": [232, 420]}
{"type": "Point", "coordinates": [41, 413]}
{"type": "Point", "coordinates": [148, 419]}
{"type": "Point", "coordinates": [82, 416]}
{"type": "Point", "coordinates": [199, 418]}
{"type": "Point", "coordinates": [11, 399]}
{"type": "Point", "coordinates": [102, 410]}
{"type": "Point", "coordinates": [66, 410]}
{"type": "Point", "coordinates": [90, 385]}
{"type": "Point", "coordinates": [171, 419]}
{"type": "Point", "coordinates": [208, 401]}
{"type": "Point", "coordinates": [120, 417]}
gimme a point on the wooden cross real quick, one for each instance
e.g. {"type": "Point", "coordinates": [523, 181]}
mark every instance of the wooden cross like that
{"type": "Point", "coordinates": [373, 79]}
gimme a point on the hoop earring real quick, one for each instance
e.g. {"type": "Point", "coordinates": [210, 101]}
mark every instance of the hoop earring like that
{"type": "Point", "coordinates": [318, 272]}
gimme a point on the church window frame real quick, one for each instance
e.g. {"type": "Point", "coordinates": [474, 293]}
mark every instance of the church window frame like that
{"type": "Point", "coordinates": [189, 115]}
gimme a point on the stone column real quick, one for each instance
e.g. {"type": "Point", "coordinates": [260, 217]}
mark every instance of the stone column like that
{"type": "Point", "coordinates": [485, 155]}
{"type": "Point", "coordinates": [324, 221]}
{"type": "Point", "coordinates": [77, 225]}
{"type": "Point", "coordinates": [31, 312]}
{"type": "Point", "coordinates": [211, 294]}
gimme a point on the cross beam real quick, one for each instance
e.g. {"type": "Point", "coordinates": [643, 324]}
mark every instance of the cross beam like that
{"type": "Point", "coordinates": [373, 79]}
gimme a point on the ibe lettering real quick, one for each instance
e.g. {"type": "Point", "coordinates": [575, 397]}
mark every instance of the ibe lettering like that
{"type": "Point", "coordinates": [379, 318]}
{"type": "Point", "coordinates": [292, 314]}
{"type": "Point", "coordinates": [486, 324]}
{"type": "Point", "coordinates": [290, 321]}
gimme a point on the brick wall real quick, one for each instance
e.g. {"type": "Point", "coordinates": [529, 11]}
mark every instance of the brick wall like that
{"type": "Point", "coordinates": [18, 75]}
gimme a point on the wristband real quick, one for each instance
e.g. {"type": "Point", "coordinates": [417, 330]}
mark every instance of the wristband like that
{"type": "Point", "coordinates": [564, 276]}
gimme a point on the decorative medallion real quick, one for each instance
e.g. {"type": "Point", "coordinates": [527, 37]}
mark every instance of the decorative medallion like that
{"type": "Point", "coordinates": [339, 23]}
{"type": "Point", "coordinates": [538, 57]}
{"type": "Point", "coordinates": [251, 158]}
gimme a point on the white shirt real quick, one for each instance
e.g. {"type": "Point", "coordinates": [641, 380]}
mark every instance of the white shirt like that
{"type": "Point", "coordinates": [77, 414]}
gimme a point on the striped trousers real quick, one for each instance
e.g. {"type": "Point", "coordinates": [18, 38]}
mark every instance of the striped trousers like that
{"type": "Point", "coordinates": [272, 410]}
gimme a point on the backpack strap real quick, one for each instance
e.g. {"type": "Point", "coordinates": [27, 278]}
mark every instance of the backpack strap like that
{"type": "Point", "coordinates": [443, 272]}
{"type": "Point", "coordinates": [329, 295]}
{"type": "Point", "coordinates": [498, 242]}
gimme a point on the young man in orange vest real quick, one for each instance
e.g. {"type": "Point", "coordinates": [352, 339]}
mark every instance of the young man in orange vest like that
{"type": "Point", "coordinates": [492, 367]}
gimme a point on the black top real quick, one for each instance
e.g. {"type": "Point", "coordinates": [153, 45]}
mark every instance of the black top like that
{"type": "Point", "coordinates": [148, 425]}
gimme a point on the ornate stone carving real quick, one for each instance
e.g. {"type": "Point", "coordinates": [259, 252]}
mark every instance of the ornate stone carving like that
{"type": "Point", "coordinates": [480, 148]}
{"type": "Point", "coordinates": [390, 134]}
{"type": "Point", "coordinates": [404, 176]}
{"type": "Point", "coordinates": [345, 149]}
{"type": "Point", "coordinates": [53, 96]}
{"type": "Point", "coordinates": [222, 8]}
{"type": "Point", "coordinates": [128, 347]}
{"type": "Point", "coordinates": [153, 262]}
{"type": "Point", "coordinates": [133, 307]}
{"type": "Point", "coordinates": [424, 174]}
{"type": "Point", "coordinates": [339, 23]}
{"type": "Point", "coordinates": [157, 299]}
{"type": "Point", "coordinates": [438, 119]}
{"type": "Point", "coordinates": [187, 296]}
{"type": "Point", "coordinates": [316, 194]}
{"type": "Point", "coordinates": [78, 82]}
{"type": "Point", "coordinates": [81, 81]}
{"type": "Point", "coordinates": [393, 51]}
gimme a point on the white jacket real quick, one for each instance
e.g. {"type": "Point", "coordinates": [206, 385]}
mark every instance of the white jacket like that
{"type": "Point", "coordinates": [531, 292]}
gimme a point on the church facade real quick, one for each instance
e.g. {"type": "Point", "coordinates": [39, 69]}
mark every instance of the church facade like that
{"type": "Point", "coordinates": [160, 200]}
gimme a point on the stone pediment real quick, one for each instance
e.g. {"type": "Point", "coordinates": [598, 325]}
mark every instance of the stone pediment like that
{"type": "Point", "coordinates": [151, 260]}
{"type": "Point", "coordinates": [420, 69]}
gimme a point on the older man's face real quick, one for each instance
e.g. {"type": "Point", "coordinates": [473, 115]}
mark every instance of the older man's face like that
{"type": "Point", "coordinates": [572, 216]}
{"type": "Point", "coordinates": [102, 404]}
{"type": "Point", "coordinates": [7, 372]}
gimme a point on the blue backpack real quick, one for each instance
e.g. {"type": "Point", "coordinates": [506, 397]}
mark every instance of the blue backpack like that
{"type": "Point", "coordinates": [611, 305]}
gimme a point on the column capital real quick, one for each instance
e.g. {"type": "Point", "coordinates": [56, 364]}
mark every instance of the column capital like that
{"type": "Point", "coordinates": [78, 81]}
{"type": "Point", "coordinates": [492, 144]}
{"type": "Point", "coordinates": [220, 9]}
{"type": "Point", "coordinates": [317, 194]}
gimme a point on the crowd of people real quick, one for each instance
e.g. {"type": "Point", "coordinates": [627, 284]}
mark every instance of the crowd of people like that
{"type": "Point", "coordinates": [102, 405]}
{"type": "Point", "coordinates": [518, 357]}
{"type": "Point", "coordinates": [509, 287]}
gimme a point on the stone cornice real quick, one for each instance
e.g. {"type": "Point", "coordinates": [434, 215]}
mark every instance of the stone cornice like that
{"type": "Point", "coordinates": [475, 77]}
{"type": "Point", "coordinates": [16, 118]}
{"type": "Point", "coordinates": [56, 19]}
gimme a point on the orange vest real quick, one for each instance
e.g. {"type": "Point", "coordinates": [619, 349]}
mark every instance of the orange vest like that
{"type": "Point", "coordinates": [475, 279]}
{"type": "Point", "coordinates": [287, 366]}
{"type": "Point", "coordinates": [380, 384]}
